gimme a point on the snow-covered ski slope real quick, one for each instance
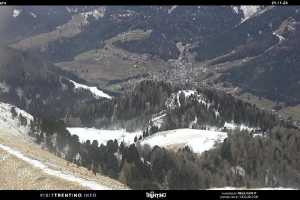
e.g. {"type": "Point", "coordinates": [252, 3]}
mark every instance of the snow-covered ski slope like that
{"type": "Point", "coordinates": [198, 140]}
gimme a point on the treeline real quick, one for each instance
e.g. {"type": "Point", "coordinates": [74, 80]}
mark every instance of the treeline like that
{"type": "Point", "coordinates": [131, 110]}
{"type": "Point", "coordinates": [207, 108]}
{"type": "Point", "coordinates": [242, 160]}
{"type": "Point", "coordinates": [260, 161]}
{"type": "Point", "coordinates": [134, 109]}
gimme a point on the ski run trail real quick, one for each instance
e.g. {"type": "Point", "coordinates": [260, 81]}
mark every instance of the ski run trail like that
{"type": "Point", "coordinates": [85, 183]}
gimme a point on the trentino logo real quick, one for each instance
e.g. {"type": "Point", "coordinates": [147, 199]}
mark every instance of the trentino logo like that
{"type": "Point", "coordinates": [156, 195]}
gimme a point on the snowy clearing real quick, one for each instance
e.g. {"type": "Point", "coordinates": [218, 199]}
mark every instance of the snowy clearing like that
{"type": "Point", "coordinates": [102, 135]}
{"type": "Point", "coordinates": [198, 140]}
{"type": "Point", "coordinates": [86, 183]}
{"type": "Point", "coordinates": [94, 90]}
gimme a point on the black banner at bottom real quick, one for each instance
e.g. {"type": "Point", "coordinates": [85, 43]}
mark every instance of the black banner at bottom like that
{"type": "Point", "coordinates": [143, 194]}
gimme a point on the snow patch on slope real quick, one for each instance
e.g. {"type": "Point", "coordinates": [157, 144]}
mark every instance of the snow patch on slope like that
{"type": "Point", "coordinates": [97, 13]}
{"type": "Point", "coordinates": [249, 11]}
{"type": "Point", "coordinates": [33, 15]}
{"type": "Point", "coordinates": [71, 9]}
{"type": "Point", "coordinates": [158, 120]}
{"type": "Point", "coordinates": [235, 9]}
{"type": "Point", "coordinates": [69, 177]}
{"type": "Point", "coordinates": [174, 101]}
{"type": "Point", "coordinates": [94, 90]}
{"type": "Point", "coordinates": [4, 88]}
{"type": "Point", "coordinates": [7, 120]}
{"type": "Point", "coordinates": [241, 127]}
{"type": "Point", "coordinates": [252, 11]}
{"type": "Point", "coordinates": [280, 37]}
{"type": "Point", "coordinates": [102, 135]}
{"type": "Point", "coordinates": [198, 140]}
{"type": "Point", "coordinates": [16, 13]}
{"type": "Point", "coordinates": [171, 9]}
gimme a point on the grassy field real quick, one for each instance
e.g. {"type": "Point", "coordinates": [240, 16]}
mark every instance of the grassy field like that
{"type": "Point", "coordinates": [260, 102]}
{"type": "Point", "coordinates": [286, 112]}
{"type": "Point", "coordinates": [98, 66]}
{"type": "Point", "coordinates": [16, 174]}
{"type": "Point", "coordinates": [293, 112]}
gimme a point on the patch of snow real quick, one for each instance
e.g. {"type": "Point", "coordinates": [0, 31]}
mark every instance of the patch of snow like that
{"type": "Point", "coordinates": [238, 170]}
{"type": "Point", "coordinates": [188, 93]}
{"type": "Point", "coordinates": [71, 9]}
{"type": "Point", "coordinates": [230, 126]}
{"type": "Point", "coordinates": [20, 92]}
{"type": "Point", "coordinates": [159, 119]}
{"type": "Point", "coordinates": [16, 13]}
{"type": "Point", "coordinates": [102, 135]}
{"type": "Point", "coordinates": [4, 88]}
{"type": "Point", "coordinates": [7, 120]}
{"type": "Point", "coordinates": [97, 13]}
{"type": "Point", "coordinates": [173, 101]}
{"type": "Point", "coordinates": [244, 127]}
{"type": "Point", "coordinates": [198, 140]}
{"type": "Point", "coordinates": [249, 11]}
{"type": "Point", "coordinates": [68, 9]}
{"type": "Point", "coordinates": [128, 13]}
{"type": "Point", "coordinates": [94, 90]}
{"type": "Point", "coordinates": [33, 15]}
{"type": "Point", "coordinates": [69, 177]}
{"type": "Point", "coordinates": [258, 135]}
{"type": "Point", "coordinates": [235, 9]}
{"type": "Point", "coordinates": [217, 113]}
{"type": "Point", "coordinates": [241, 127]}
{"type": "Point", "coordinates": [193, 122]}
{"type": "Point", "coordinates": [118, 155]}
{"type": "Point", "coordinates": [280, 37]}
{"type": "Point", "coordinates": [171, 9]}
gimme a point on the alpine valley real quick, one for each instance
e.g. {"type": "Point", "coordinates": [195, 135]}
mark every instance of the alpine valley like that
{"type": "Point", "coordinates": [149, 97]}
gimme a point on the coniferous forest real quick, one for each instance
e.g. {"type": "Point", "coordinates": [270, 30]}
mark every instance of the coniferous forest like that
{"type": "Point", "coordinates": [150, 97]}
{"type": "Point", "coordinates": [242, 160]}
